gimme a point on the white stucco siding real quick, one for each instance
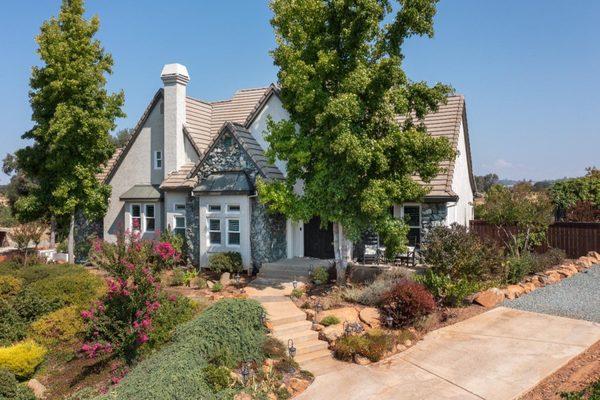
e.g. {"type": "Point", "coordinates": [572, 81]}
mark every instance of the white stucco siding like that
{"type": "Point", "coordinates": [258, 128]}
{"type": "Point", "coordinates": [461, 211]}
{"type": "Point", "coordinates": [174, 201]}
{"type": "Point", "coordinates": [190, 153]}
{"type": "Point", "coordinates": [136, 168]}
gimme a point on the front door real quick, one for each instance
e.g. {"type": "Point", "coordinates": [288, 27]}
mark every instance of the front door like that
{"type": "Point", "coordinates": [318, 242]}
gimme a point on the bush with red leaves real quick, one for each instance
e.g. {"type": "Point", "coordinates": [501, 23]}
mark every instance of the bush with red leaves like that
{"type": "Point", "coordinates": [406, 302]}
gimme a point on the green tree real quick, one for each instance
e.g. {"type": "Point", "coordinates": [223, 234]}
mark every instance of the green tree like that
{"type": "Point", "coordinates": [121, 138]}
{"type": "Point", "coordinates": [485, 182]}
{"type": "Point", "coordinates": [568, 192]}
{"type": "Point", "coordinates": [343, 85]}
{"type": "Point", "coordinates": [73, 115]}
{"type": "Point", "coordinates": [521, 215]}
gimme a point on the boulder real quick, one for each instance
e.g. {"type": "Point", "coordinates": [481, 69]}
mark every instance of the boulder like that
{"type": "Point", "coordinates": [407, 343]}
{"type": "Point", "coordinates": [552, 277]}
{"type": "Point", "coordinates": [570, 267]}
{"type": "Point", "coordinates": [360, 360]}
{"type": "Point", "coordinates": [370, 316]}
{"type": "Point", "coordinates": [310, 314]}
{"type": "Point", "coordinates": [537, 281]}
{"type": "Point", "coordinates": [490, 297]}
{"type": "Point", "coordinates": [400, 347]}
{"type": "Point", "coordinates": [565, 272]}
{"type": "Point", "coordinates": [349, 314]}
{"type": "Point", "coordinates": [37, 388]}
{"type": "Point", "coordinates": [514, 291]}
{"type": "Point", "coordinates": [595, 255]}
{"type": "Point", "coordinates": [528, 287]}
{"type": "Point", "coordinates": [210, 284]}
{"type": "Point", "coordinates": [331, 333]}
{"type": "Point", "coordinates": [318, 327]}
{"type": "Point", "coordinates": [298, 385]}
{"type": "Point", "coordinates": [225, 278]}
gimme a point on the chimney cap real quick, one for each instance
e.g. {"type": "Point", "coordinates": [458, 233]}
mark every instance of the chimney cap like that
{"type": "Point", "coordinates": [175, 73]}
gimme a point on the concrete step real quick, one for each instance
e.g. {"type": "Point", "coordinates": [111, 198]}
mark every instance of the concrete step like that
{"type": "Point", "coordinates": [312, 356]}
{"type": "Point", "coordinates": [283, 276]}
{"type": "Point", "coordinates": [310, 346]}
{"type": "Point", "coordinates": [322, 365]}
{"type": "Point", "coordinates": [298, 337]}
{"type": "Point", "coordinates": [300, 270]}
{"type": "Point", "coordinates": [284, 320]}
{"type": "Point", "coordinates": [287, 329]}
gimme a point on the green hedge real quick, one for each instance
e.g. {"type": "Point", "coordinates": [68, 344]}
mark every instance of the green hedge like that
{"type": "Point", "coordinates": [226, 333]}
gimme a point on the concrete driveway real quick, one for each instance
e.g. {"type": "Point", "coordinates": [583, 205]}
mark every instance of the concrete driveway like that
{"type": "Point", "coordinates": [498, 355]}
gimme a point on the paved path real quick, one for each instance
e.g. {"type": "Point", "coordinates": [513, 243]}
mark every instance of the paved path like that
{"type": "Point", "coordinates": [498, 355]}
{"type": "Point", "coordinates": [575, 297]}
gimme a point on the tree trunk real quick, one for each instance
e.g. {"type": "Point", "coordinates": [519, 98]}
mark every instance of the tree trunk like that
{"type": "Point", "coordinates": [71, 241]}
{"type": "Point", "coordinates": [343, 252]}
{"type": "Point", "coordinates": [53, 233]}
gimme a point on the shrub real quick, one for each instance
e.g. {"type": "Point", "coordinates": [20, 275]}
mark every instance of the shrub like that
{"type": "Point", "coordinates": [73, 289]}
{"type": "Point", "coordinates": [22, 358]}
{"type": "Point", "coordinates": [330, 320]}
{"type": "Point", "coordinates": [517, 267]}
{"type": "Point", "coordinates": [217, 377]}
{"type": "Point", "coordinates": [544, 261]}
{"type": "Point", "coordinates": [372, 345]}
{"type": "Point", "coordinates": [406, 302]}
{"type": "Point", "coordinates": [320, 276]}
{"type": "Point", "coordinates": [448, 291]}
{"type": "Point", "coordinates": [200, 282]}
{"type": "Point", "coordinates": [173, 311]}
{"type": "Point", "coordinates": [274, 348]}
{"type": "Point", "coordinates": [177, 277]}
{"type": "Point", "coordinates": [454, 252]}
{"type": "Point", "coordinates": [61, 327]}
{"type": "Point", "coordinates": [175, 371]}
{"type": "Point", "coordinates": [372, 294]}
{"type": "Point", "coordinates": [8, 384]}
{"type": "Point", "coordinates": [297, 293]}
{"type": "Point", "coordinates": [217, 287]}
{"type": "Point", "coordinates": [12, 326]}
{"type": "Point", "coordinates": [9, 286]}
{"type": "Point", "coordinates": [177, 241]}
{"type": "Point", "coordinates": [30, 304]}
{"type": "Point", "coordinates": [230, 261]}
{"type": "Point", "coordinates": [189, 276]}
{"type": "Point", "coordinates": [286, 365]}
{"type": "Point", "coordinates": [36, 272]}
{"type": "Point", "coordinates": [592, 392]}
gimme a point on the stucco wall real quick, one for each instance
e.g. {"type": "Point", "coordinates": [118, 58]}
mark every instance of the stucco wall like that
{"type": "Point", "coordinates": [135, 168]}
{"type": "Point", "coordinates": [461, 211]}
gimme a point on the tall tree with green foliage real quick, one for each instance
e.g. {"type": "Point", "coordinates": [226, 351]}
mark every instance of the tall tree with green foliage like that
{"type": "Point", "coordinates": [73, 115]}
{"type": "Point", "coordinates": [341, 79]}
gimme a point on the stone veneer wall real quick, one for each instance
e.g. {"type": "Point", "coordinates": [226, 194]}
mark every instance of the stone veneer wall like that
{"type": "Point", "coordinates": [192, 230]}
{"type": "Point", "coordinates": [432, 215]}
{"type": "Point", "coordinates": [267, 231]}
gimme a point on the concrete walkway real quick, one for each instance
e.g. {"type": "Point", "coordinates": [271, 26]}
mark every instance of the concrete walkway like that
{"type": "Point", "coordinates": [498, 355]}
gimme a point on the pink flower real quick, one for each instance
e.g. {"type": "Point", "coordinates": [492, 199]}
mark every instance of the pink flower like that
{"type": "Point", "coordinates": [143, 338]}
{"type": "Point", "coordinates": [172, 298]}
{"type": "Point", "coordinates": [85, 314]}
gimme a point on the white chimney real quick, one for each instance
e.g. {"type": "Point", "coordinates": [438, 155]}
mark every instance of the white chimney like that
{"type": "Point", "coordinates": [175, 78]}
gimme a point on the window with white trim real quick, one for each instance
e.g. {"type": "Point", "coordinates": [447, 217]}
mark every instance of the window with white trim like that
{"type": "Point", "coordinates": [179, 225]}
{"type": "Point", "coordinates": [158, 159]}
{"type": "Point", "coordinates": [179, 207]}
{"type": "Point", "coordinates": [136, 217]}
{"type": "Point", "coordinates": [233, 232]}
{"type": "Point", "coordinates": [149, 218]}
{"type": "Point", "coordinates": [214, 231]}
{"type": "Point", "coordinates": [233, 208]}
{"type": "Point", "coordinates": [214, 208]}
{"type": "Point", "coordinates": [411, 213]}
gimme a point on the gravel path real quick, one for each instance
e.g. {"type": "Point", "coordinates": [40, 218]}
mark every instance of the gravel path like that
{"type": "Point", "coordinates": [574, 297]}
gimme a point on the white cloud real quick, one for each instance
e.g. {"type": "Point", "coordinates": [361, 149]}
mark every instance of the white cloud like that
{"type": "Point", "coordinates": [503, 164]}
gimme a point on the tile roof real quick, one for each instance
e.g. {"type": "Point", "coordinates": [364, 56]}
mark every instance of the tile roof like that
{"type": "Point", "coordinates": [178, 179]}
{"type": "Point", "coordinates": [225, 182]}
{"type": "Point", "coordinates": [445, 122]}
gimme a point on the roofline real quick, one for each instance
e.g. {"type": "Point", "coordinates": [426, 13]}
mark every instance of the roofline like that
{"type": "Point", "coordinates": [468, 146]}
{"type": "Point", "coordinates": [187, 134]}
{"type": "Point", "coordinates": [136, 132]}
{"type": "Point", "coordinates": [272, 90]}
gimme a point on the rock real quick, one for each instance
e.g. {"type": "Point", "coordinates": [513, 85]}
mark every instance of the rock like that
{"type": "Point", "coordinates": [570, 267]}
{"type": "Point", "coordinates": [360, 360]}
{"type": "Point", "coordinates": [400, 347]}
{"type": "Point", "coordinates": [407, 343]}
{"type": "Point", "coordinates": [490, 297]}
{"type": "Point", "coordinates": [210, 284]}
{"type": "Point", "coordinates": [565, 272]}
{"type": "Point", "coordinates": [271, 396]}
{"type": "Point", "coordinates": [37, 388]}
{"type": "Point", "coordinates": [552, 277]}
{"type": "Point", "coordinates": [537, 281]}
{"type": "Point", "coordinates": [298, 385]}
{"type": "Point", "coordinates": [370, 316]}
{"type": "Point", "coordinates": [349, 314]}
{"type": "Point", "coordinates": [242, 396]}
{"type": "Point", "coordinates": [594, 254]}
{"type": "Point", "coordinates": [514, 291]}
{"type": "Point", "coordinates": [528, 287]}
{"type": "Point", "coordinates": [318, 327]}
{"type": "Point", "coordinates": [269, 362]}
{"type": "Point", "coordinates": [269, 326]}
{"type": "Point", "coordinates": [225, 278]}
{"type": "Point", "coordinates": [331, 333]}
{"type": "Point", "coordinates": [310, 314]}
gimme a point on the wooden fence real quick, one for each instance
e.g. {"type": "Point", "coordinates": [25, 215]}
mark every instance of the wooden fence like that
{"type": "Point", "coordinates": [575, 238]}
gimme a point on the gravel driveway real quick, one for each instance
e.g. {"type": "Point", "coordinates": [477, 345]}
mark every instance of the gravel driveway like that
{"type": "Point", "coordinates": [574, 297]}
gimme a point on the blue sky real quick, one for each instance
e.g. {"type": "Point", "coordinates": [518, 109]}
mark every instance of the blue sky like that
{"type": "Point", "coordinates": [529, 69]}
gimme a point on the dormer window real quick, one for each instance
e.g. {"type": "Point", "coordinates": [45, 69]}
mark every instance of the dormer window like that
{"type": "Point", "coordinates": [158, 160]}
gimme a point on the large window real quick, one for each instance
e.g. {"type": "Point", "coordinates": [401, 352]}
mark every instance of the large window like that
{"type": "Point", "coordinates": [411, 213]}
{"type": "Point", "coordinates": [214, 231]}
{"type": "Point", "coordinates": [150, 218]}
{"type": "Point", "coordinates": [233, 232]}
{"type": "Point", "coordinates": [136, 217]}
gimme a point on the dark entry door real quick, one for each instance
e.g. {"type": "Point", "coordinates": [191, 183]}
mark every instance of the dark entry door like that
{"type": "Point", "coordinates": [318, 243]}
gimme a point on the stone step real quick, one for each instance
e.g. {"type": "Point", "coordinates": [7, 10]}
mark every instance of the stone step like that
{"type": "Point", "coordinates": [283, 276]}
{"type": "Point", "coordinates": [270, 299]}
{"type": "Point", "coordinates": [310, 346]}
{"type": "Point", "coordinates": [322, 365]}
{"type": "Point", "coordinates": [314, 355]}
{"type": "Point", "coordinates": [300, 336]}
{"type": "Point", "coordinates": [299, 270]}
{"type": "Point", "coordinates": [284, 320]}
{"type": "Point", "coordinates": [303, 325]}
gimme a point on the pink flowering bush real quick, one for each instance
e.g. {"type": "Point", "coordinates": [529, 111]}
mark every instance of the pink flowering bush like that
{"type": "Point", "coordinates": [121, 321]}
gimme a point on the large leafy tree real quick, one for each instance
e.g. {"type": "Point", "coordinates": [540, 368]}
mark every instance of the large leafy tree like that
{"type": "Point", "coordinates": [341, 79]}
{"type": "Point", "coordinates": [73, 115]}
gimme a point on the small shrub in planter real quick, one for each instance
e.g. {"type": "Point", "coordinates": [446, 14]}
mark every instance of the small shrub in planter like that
{"type": "Point", "coordinates": [173, 311]}
{"type": "Point", "coordinates": [286, 365]}
{"type": "Point", "coordinates": [225, 262]}
{"type": "Point", "coordinates": [406, 302]}
{"type": "Point", "coordinates": [189, 276]}
{"type": "Point", "coordinates": [22, 358]}
{"type": "Point", "coordinates": [61, 327]}
{"type": "Point", "coordinates": [372, 345]}
{"type": "Point", "coordinates": [517, 267]}
{"type": "Point", "coordinates": [320, 276]}
{"type": "Point", "coordinates": [544, 261]}
{"type": "Point", "coordinates": [448, 291]}
{"type": "Point", "coordinates": [30, 304]}
{"type": "Point", "coordinates": [274, 348]}
{"type": "Point", "coordinates": [217, 287]}
{"type": "Point", "coordinates": [371, 295]}
{"type": "Point", "coordinates": [297, 293]}
{"type": "Point", "coordinates": [330, 320]}
{"type": "Point", "coordinates": [200, 282]}
{"type": "Point", "coordinates": [177, 278]}
{"type": "Point", "coordinates": [10, 389]}
{"type": "Point", "coordinates": [9, 286]}
{"type": "Point", "coordinates": [217, 377]}
{"type": "Point", "coordinates": [12, 326]}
